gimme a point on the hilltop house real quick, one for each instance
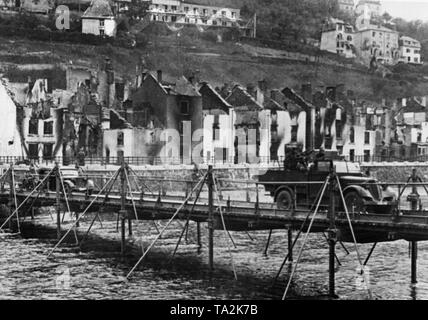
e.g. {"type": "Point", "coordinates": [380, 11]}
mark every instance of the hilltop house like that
{"type": "Point", "coordinates": [37, 6]}
{"type": "Point", "coordinates": [338, 37]}
{"type": "Point", "coordinates": [372, 7]}
{"type": "Point", "coordinates": [198, 12]}
{"type": "Point", "coordinates": [346, 5]}
{"type": "Point", "coordinates": [410, 50]}
{"type": "Point", "coordinates": [99, 19]}
{"type": "Point", "coordinates": [374, 40]}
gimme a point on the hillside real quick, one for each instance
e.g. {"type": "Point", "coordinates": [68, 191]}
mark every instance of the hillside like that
{"type": "Point", "coordinates": [218, 63]}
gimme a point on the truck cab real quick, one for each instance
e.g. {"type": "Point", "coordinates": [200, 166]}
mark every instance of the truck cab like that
{"type": "Point", "coordinates": [293, 189]}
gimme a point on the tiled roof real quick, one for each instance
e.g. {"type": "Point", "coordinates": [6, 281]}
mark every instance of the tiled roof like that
{"type": "Point", "coordinates": [413, 106]}
{"type": "Point", "coordinates": [241, 98]}
{"type": "Point", "coordinates": [97, 9]}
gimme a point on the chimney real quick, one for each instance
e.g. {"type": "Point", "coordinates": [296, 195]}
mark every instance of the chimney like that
{"type": "Point", "coordinates": [404, 102]}
{"type": "Point", "coordinates": [307, 92]}
{"type": "Point", "coordinates": [159, 72]}
{"type": "Point", "coordinates": [262, 85]}
{"type": "Point", "coordinates": [251, 90]}
{"type": "Point", "coordinates": [273, 94]}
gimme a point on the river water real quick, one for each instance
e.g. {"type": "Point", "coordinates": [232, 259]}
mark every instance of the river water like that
{"type": "Point", "coordinates": [98, 271]}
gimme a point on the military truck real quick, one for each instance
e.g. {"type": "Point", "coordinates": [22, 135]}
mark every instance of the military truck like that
{"type": "Point", "coordinates": [297, 188]}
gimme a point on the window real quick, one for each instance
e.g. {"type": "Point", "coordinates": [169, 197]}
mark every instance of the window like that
{"type": "Point", "coordinates": [349, 38]}
{"type": "Point", "coordinates": [214, 11]}
{"type": "Point", "coordinates": [195, 10]}
{"type": "Point", "coordinates": [101, 23]}
{"type": "Point", "coordinates": [216, 128]}
{"type": "Point", "coordinates": [351, 155]}
{"type": "Point", "coordinates": [173, 18]}
{"type": "Point", "coordinates": [102, 32]}
{"type": "Point", "coordinates": [214, 22]}
{"type": "Point", "coordinates": [205, 12]}
{"type": "Point", "coordinates": [294, 133]}
{"type": "Point", "coordinates": [120, 138]}
{"type": "Point", "coordinates": [408, 50]}
{"type": "Point", "coordinates": [33, 150]}
{"type": "Point", "coordinates": [352, 135]}
{"type": "Point", "coordinates": [33, 126]}
{"type": "Point", "coordinates": [186, 20]}
{"type": "Point", "coordinates": [223, 13]}
{"type": "Point", "coordinates": [366, 155]}
{"type": "Point", "coordinates": [366, 137]}
{"type": "Point", "coordinates": [174, 8]}
{"type": "Point", "coordinates": [233, 14]}
{"type": "Point", "coordinates": [374, 34]}
{"type": "Point", "coordinates": [184, 107]}
{"type": "Point", "coordinates": [47, 151]}
{"type": "Point", "coordinates": [186, 9]}
{"type": "Point", "coordinates": [338, 130]}
{"type": "Point", "coordinates": [48, 128]}
{"type": "Point", "coordinates": [224, 23]}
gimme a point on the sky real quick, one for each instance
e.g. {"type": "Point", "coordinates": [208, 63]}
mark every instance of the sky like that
{"type": "Point", "coordinates": [406, 9]}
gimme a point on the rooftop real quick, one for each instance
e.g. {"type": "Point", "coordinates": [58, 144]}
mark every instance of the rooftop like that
{"type": "Point", "coordinates": [97, 9]}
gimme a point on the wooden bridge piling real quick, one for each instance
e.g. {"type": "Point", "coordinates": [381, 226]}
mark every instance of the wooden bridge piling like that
{"type": "Point", "coordinates": [332, 235]}
{"type": "Point", "coordinates": [123, 213]}
{"type": "Point", "coordinates": [290, 244]}
{"type": "Point", "coordinates": [210, 220]}
{"type": "Point", "coordinates": [414, 200]}
{"type": "Point", "coordinates": [58, 200]}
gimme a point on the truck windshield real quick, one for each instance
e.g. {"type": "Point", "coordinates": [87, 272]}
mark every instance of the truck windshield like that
{"type": "Point", "coordinates": [347, 167]}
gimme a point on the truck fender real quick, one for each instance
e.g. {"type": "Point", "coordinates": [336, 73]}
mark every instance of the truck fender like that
{"type": "Point", "coordinates": [281, 188]}
{"type": "Point", "coordinates": [69, 183]}
{"type": "Point", "coordinates": [359, 189]}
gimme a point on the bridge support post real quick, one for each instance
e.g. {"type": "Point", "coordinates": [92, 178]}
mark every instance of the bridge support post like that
{"type": "Point", "coordinates": [123, 213]}
{"type": "Point", "coordinates": [58, 201]}
{"type": "Point", "coordinates": [11, 191]}
{"type": "Point", "coordinates": [290, 244]}
{"type": "Point", "coordinates": [332, 236]}
{"type": "Point", "coordinates": [210, 218]}
{"type": "Point", "coordinates": [414, 257]}
{"type": "Point", "coordinates": [198, 231]}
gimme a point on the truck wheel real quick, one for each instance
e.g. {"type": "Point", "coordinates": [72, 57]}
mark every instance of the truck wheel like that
{"type": "Point", "coordinates": [354, 202]}
{"type": "Point", "coordinates": [284, 200]}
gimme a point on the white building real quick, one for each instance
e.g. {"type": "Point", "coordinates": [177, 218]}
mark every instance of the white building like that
{"type": "Point", "coordinates": [10, 139]}
{"type": "Point", "coordinates": [99, 20]}
{"type": "Point", "coordinates": [373, 7]}
{"type": "Point", "coordinates": [197, 12]}
{"type": "Point", "coordinates": [346, 5]}
{"type": "Point", "coordinates": [379, 42]}
{"type": "Point", "coordinates": [338, 37]}
{"type": "Point", "coordinates": [410, 50]}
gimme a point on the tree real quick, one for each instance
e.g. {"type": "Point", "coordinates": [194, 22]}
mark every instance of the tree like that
{"type": "Point", "coordinates": [137, 9]}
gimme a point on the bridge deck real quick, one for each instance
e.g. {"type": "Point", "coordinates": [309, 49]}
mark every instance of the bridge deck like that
{"type": "Point", "coordinates": [242, 216]}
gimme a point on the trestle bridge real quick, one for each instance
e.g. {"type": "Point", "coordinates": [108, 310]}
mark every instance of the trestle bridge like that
{"type": "Point", "coordinates": [133, 198]}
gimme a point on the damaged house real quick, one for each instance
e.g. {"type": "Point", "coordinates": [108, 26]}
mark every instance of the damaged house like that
{"type": "Point", "coordinates": [218, 125]}
{"type": "Point", "coordinates": [41, 124]}
{"type": "Point", "coordinates": [173, 104]}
